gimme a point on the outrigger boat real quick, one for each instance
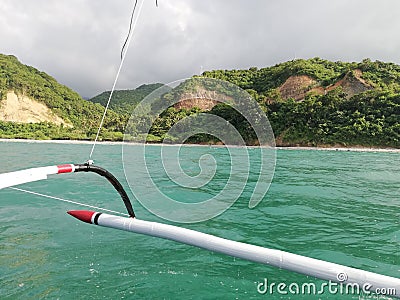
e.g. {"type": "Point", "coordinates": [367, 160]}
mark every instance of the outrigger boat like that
{"type": "Point", "coordinates": [364, 280]}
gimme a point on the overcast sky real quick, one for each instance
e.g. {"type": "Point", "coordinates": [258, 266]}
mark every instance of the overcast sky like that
{"type": "Point", "coordinates": [79, 41]}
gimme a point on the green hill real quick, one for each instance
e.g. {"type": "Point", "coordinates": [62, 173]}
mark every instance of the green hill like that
{"type": "Point", "coordinates": [263, 81]}
{"type": "Point", "coordinates": [311, 102]}
{"type": "Point", "coordinates": [318, 102]}
{"type": "Point", "coordinates": [84, 116]}
{"type": "Point", "coordinates": [124, 101]}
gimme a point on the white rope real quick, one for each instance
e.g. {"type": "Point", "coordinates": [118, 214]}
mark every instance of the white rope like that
{"type": "Point", "coordinates": [116, 79]}
{"type": "Point", "coordinates": [68, 201]}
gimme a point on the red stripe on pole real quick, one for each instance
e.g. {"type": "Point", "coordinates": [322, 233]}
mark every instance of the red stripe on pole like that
{"type": "Point", "coordinates": [65, 168]}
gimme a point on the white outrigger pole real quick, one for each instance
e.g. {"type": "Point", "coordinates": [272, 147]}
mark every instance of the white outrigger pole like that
{"type": "Point", "coordinates": [33, 174]}
{"type": "Point", "coordinates": [309, 266]}
{"type": "Point", "coordinates": [364, 280]}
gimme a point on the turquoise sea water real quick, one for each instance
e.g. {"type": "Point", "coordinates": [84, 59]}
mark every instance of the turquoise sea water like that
{"type": "Point", "coordinates": [342, 207]}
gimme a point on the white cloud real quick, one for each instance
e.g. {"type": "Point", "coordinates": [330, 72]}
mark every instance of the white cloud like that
{"type": "Point", "coordinates": [79, 41]}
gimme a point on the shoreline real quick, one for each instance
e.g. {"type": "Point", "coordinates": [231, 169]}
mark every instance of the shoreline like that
{"type": "Point", "coordinates": [72, 142]}
{"type": "Point", "coordinates": [343, 149]}
{"type": "Point", "coordinates": [82, 142]}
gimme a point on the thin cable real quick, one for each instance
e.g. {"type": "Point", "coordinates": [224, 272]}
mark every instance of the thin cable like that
{"type": "Point", "coordinates": [132, 29]}
{"type": "Point", "coordinates": [68, 201]}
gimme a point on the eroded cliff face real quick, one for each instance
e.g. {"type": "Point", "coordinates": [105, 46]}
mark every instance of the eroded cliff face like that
{"type": "Point", "coordinates": [22, 109]}
{"type": "Point", "coordinates": [298, 87]}
{"type": "Point", "coordinates": [352, 84]}
{"type": "Point", "coordinates": [202, 103]}
{"type": "Point", "coordinates": [201, 98]}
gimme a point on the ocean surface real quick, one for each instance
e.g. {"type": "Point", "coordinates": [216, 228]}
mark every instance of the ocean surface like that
{"type": "Point", "coordinates": [338, 206]}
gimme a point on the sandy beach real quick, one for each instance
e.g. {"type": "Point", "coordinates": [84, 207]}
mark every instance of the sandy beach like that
{"type": "Point", "coordinates": [353, 149]}
{"type": "Point", "coordinates": [59, 142]}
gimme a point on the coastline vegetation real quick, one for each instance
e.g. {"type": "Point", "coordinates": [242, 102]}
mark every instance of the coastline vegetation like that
{"type": "Point", "coordinates": [367, 118]}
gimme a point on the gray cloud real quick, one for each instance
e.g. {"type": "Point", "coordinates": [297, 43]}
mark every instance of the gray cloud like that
{"type": "Point", "coordinates": [79, 41]}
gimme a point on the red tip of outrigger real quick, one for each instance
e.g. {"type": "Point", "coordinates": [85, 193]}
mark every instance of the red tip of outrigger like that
{"type": "Point", "coordinates": [83, 215]}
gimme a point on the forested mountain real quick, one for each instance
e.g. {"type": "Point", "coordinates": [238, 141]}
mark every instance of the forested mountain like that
{"type": "Point", "coordinates": [323, 72]}
{"type": "Point", "coordinates": [308, 102]}
{"type": "Point", "coordinates": [82, 117]}
{"type": "Point", "coordinates": [124, 101]}
{"type": "Point", "coordinates": [311, 102]}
